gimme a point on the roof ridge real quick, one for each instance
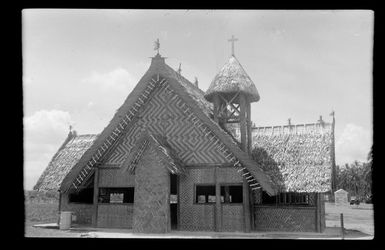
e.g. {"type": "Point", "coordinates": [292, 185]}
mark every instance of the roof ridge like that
{"type": "Point", "coordinates": [293, 125]}
{"type": "Point", "coordinates": [69, 138]}
{"type": "Point", "coordinates": [184, 78]}
{"type": "Point", "coordinates": [72, 145]}
{"type": "Point", "coordinates": [84, 135]}
{"type": "Point", "coordinates": [294, 128]}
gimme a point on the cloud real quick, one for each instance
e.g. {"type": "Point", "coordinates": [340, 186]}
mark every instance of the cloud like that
{"type": "Point", "coordinates": [90, 104]}
{"type": "Point", "coordinates": [44, 132]}
{"type": "Point", "coordinates": [45, 125]}
{"type": "Point", "coordinates": [353, 144]}
{"type": "Point", "coordinates": [188, 34]}
{"type": "Point", "coordinates": [118, 79]}
{"type": "Point", "coordinates": [164, 35]}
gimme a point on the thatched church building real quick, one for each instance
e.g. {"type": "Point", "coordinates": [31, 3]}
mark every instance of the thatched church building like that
{"type": "Point", "coordinates": [174, 157]}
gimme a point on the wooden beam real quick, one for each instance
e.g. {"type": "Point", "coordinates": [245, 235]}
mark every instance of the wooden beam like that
{"type": "Point", "coordinates": [217, 103]}
{"type": "Point", "coordinates": [227, 193]}
{"type": "Point", "coordinates": [252, 215]}
{"type": "Point", "coordinates": [218, 204]}
{"type": "Point", "coordinates": [246, 196]}
{"type": "Point", "coordinates": [59, 210]}
{"type": "Point", "coordinates": [236, 109]}
{"type": "Point", "coordinates": [318, 213]}
{"type": "Point", "coordinates": [248, 125]}
{"type": "Point", "coordinates": [242, 116]}
{"type": "Point", "coordinates": [246, 206]}
{"type": "Point", "coordinates": [95, 199]}
{"type": "Point", "coordinates": [178, 202]}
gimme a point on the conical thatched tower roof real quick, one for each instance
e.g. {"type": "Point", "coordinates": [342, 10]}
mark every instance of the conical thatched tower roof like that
{"type": "Point", "coordinates": [231, 79]}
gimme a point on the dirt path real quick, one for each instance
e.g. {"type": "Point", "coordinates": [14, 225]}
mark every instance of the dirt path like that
{"type": "Point", "coordinates": [355, 217]}
{"type": "Point", "coordinates": [31, 231]}
{"type": "Point", "coordinates": [358, 218]}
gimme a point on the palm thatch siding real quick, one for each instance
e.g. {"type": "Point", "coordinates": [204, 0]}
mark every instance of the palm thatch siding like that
{"type": "Point", "coordinates": [63, 161]}
{"type": "Point", "coordinates": [298, 157]}
{"type": "Point", "coordinates": [232, 78]}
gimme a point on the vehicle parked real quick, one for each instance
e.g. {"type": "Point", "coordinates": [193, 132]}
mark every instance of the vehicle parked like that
{"type": "Point", "coordinates": [354, 201]}
{"type": "Point", "coordinates": [369, 199]}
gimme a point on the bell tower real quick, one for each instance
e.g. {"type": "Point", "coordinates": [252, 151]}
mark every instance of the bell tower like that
{"type": "Point", "coordinates": [232, 91]}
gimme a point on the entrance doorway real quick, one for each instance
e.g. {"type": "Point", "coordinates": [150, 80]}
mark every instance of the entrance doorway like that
{"type": "Point", "coordinates": [174, 201]}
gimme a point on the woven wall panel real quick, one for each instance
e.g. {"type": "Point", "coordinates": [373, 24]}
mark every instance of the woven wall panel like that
{"type": "Point", "coordinates": [163, 115]}
{"type": "Point", "coordinates": [294, 219]}
{"type": "Point", "coordinates": [232, 218]}
{"type": "Point", "coordinates": [257, 196]}
{"type": "Point", "coordinates": [83, 212]}
{"type": "Point", "coordinates": [152, 189]}
{"type": "Point", "coordinates": [115, 178]}
{"type": "Point", "coordinates": [229, 175]}
{"type": "Point", "coordinates": [115, 216]}
{"type": "Point", "coordinates": [195, 217]}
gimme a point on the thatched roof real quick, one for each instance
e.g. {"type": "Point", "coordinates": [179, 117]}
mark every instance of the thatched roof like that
{"type": "Point", "coordinates": [231, 79]}
{"type": "Point", "coordinates": [63, 161]}
{"type": "Point", "coordinates": [284, 158]}
{"type": "Point", "coordinates": [297, 157]}
{"type": "Point", "coordinates": [194, 98]}
{"type": "Point", "coordinates": [168, 156]}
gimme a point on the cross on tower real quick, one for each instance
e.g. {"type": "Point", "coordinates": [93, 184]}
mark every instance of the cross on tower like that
{"type": "Point", "coordinates": [232, 40]}
{"type": "Point", "coordinates": [157, 45]}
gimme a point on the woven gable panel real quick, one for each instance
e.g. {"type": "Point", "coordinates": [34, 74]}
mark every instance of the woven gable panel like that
{"type": "Point", "coordinates": [164, 115]}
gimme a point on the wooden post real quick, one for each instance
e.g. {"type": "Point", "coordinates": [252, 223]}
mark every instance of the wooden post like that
{"type": "Point", "coordinates": [249, 131]}
{"type": "Point", "coordinates": [246, 205]}
{"type": "Point", "coordinates": [59, 209]}
{"type": "Point", "coordinates": [217, 105]}
{"type": "Point", "coordinates": [218, 210]}
{"type": "Point", "coordinates": [252, 213]}
{"type": "Point", "coordinates": [317, 211]}
{"type": "Point", "coordinates": [243, 122]}
{"type": "Point", "coordinates": [249, 150]}
{"type": "Point", "coordinates": [95, 200]}
{"type": "Point", "coordinates": [333, 159]}
{"type": "Point", "coordinates": [178, 202]}
{"type": "Point", "coordinates": [246, 197]}
{"type": "Point", "coordinates": [342, 226]}
{"type": "Point", "coordinates": [227, 193]}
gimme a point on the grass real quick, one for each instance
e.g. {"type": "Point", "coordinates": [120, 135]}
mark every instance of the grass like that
{"type": "Point", "coordinates": [42, 212]}
{"type": "Point", "coordinates": [41, 208]}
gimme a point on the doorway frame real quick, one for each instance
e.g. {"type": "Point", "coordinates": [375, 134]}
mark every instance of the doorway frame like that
{"type": "Point", "coordinates": [178, 202]}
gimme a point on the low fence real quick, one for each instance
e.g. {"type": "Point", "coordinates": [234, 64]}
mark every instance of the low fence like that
{"type": "Point", "coordinates": [285, 218]}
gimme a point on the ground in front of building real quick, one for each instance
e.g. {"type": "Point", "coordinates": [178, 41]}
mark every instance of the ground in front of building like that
{"type": "Point", "coordinates": [358, 221]}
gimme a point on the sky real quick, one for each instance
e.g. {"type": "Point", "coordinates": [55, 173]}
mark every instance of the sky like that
{"type": "Point", "coordinates": [80, 65]}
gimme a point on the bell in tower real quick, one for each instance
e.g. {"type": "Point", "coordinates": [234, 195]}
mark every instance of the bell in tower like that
{"type": "Point", "coordinates": [232, 91]}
